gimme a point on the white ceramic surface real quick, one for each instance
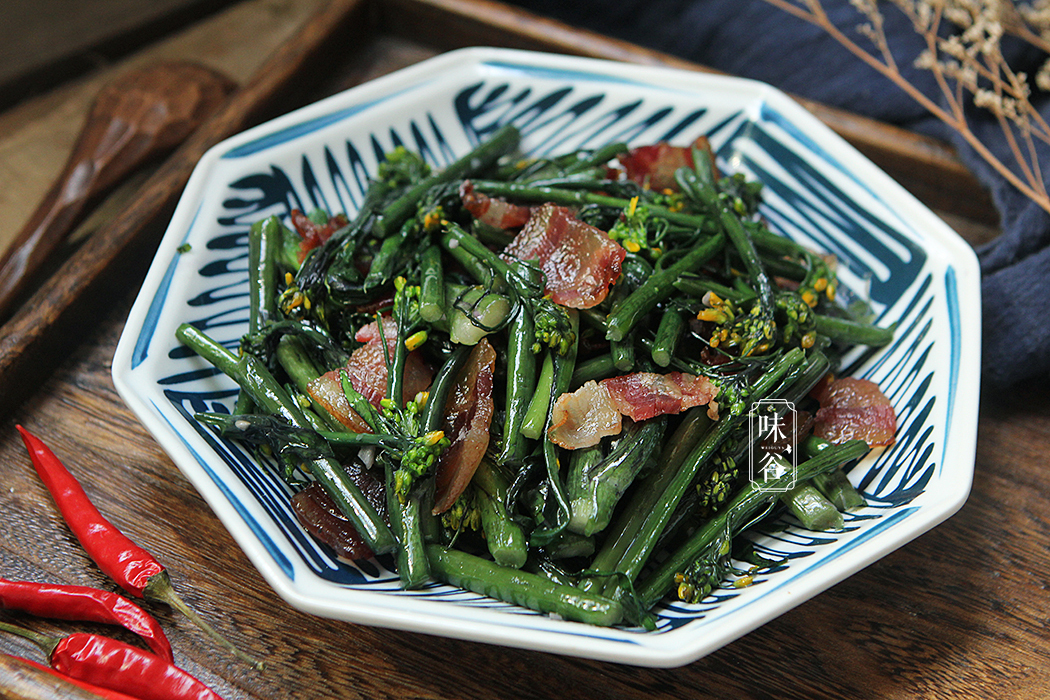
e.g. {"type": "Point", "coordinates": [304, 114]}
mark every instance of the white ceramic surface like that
{"type": "Point", "coordinates": [916, 271]}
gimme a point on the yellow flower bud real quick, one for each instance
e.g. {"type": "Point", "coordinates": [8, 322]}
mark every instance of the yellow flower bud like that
{"type": "Point", "coordinates": [415, 340]}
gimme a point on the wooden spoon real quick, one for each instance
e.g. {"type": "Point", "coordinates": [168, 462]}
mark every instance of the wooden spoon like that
{"type": "Point", "coordinates": [141, 115]}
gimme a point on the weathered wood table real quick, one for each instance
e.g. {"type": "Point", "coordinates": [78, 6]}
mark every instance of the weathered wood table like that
{"type": "Point", "coordinates": [961, 612]}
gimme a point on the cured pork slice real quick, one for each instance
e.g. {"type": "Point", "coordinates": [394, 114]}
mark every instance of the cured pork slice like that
{"type": "Point", "coordinates": [853, 408]}
{"type": "Point", "coordinates": [468, 417]}
{"type": "Point", "coordinates": [595, 410]}
{"type": "Point", "coordinates": [367, 372]}
{"type": "Point", "coordinates": [579, 261]}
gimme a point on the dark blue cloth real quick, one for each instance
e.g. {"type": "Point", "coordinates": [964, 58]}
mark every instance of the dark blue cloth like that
{"type": "Point", "coordinates": [753, 39]}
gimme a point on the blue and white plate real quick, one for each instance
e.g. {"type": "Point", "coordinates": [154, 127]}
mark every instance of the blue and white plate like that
{"type": "Point", "coordinates": [893, 251]}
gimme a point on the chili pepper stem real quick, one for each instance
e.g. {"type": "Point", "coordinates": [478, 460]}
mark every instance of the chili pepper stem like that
{"type": "Point", "coordinates": [159, 589]}
{"type": "Point", "coordinates": [46, 644]}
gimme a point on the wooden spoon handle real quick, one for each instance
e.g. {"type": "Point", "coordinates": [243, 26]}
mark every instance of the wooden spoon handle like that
{"type": "Point", "coordinates": [139, 116]}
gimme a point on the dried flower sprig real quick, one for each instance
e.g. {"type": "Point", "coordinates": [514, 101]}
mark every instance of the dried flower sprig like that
{"type": "Point", "coordinates": [968, 66]}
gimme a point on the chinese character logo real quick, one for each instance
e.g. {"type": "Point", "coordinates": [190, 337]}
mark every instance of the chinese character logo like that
{"type": "Point", "coordinates": [772, 465]}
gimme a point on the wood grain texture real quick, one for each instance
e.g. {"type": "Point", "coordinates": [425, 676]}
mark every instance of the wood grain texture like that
{"type": "Point", "coordinates": [134, 120]}
{"type": "Point", "coordinates": [59, 311]}
{"type": "Point", "coordinates": [30, 683]}
{"type": "Point", "coordinates": [45, 42]}
{"type": "Point", "coordinates": [961, 612]}
{"type": "Point", "coordinates": [38, 135]}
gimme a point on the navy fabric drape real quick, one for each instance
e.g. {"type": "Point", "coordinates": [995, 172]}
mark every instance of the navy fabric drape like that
{"type": "Point", "coordinates": [753, 39]}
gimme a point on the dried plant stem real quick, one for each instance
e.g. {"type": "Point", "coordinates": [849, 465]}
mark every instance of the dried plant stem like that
{"type": "Point", "coordinates": [1006, 94]}
{"type": "Point", "coordinates": [1014, 23]}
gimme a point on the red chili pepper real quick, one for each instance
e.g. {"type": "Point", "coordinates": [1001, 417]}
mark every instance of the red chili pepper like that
{"type": "Point", "coordinates": [131, 566]}
{"type": "Point", "coordinates": [97, 690]}
{"type": "Point", "coordinates": [61, 602]}
{"type": "Point", "coordinates": [112, 664]}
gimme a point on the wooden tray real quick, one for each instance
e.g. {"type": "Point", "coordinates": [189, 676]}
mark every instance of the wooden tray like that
{"type": "Point", "coordinates": [81, 311]}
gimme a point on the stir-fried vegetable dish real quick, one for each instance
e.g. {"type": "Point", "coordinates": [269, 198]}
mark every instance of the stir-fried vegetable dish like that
{"type": "Point", "coordinates": [534, 377]}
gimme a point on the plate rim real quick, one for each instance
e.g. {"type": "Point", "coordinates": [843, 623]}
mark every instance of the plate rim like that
{"type": "Point", "coordinates": [683, 650]}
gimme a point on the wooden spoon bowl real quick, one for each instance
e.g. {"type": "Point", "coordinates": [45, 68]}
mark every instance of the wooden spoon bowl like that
{"type": "Point", "coordinates": [138, 117]}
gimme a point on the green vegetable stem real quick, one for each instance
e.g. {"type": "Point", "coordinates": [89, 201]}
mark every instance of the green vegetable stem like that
{"type": "Point", "coordinates": [254, 378]}
{"type": "Point", "coordinates": [710, 542]}
{"type": "Point", "coordinates": [395, 214]}
{"type": "Point", "coordinates": [696, 312]}
{"type": "Point", "coordinates": [522, 588]}
{"type": "Point", "coordinates": [595, 483]}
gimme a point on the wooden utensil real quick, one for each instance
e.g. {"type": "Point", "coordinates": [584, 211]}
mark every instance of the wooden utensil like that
{"type": "Point", "coordinates": [142, 114]}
